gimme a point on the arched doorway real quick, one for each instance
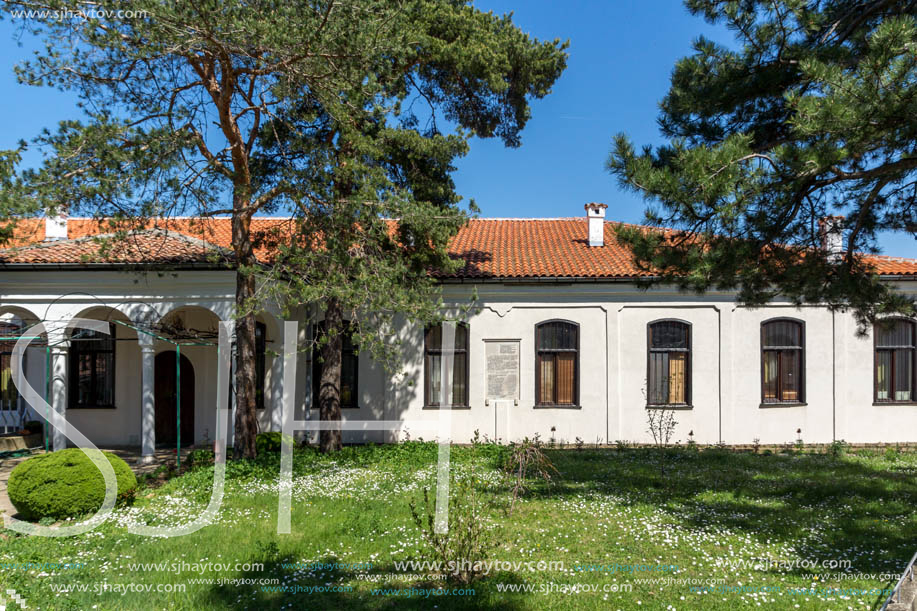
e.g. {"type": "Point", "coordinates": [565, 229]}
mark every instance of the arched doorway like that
{"type": "Point", "coordinates": [166, 403]}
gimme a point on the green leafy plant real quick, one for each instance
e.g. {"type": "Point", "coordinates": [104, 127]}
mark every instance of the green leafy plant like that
{"type": "Point", "coordinates": [65, 484]}
{"type": "Point", "coordinates": [468, 540]}
{"type": "Point", "coordinates": [268, 442]}
{"type": "Point", "coordinates": [661, 425]}
{"type": "Point", "coordinates": [199, 458]}
{"type": "Point", "coordinates": [891, 454]}
{"type": "Point", "coordinates": [838, 447]}
{"type": "Point", "coordinates": [527, 460]}
{"type": "Point", "coordinates": [789, 138]}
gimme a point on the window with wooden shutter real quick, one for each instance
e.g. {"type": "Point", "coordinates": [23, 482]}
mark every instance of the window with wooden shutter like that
{"type": "Point", "coordinates": [895, 361]}
{"type": "Point", "coordinates": [669, 363]}
{"type": "Point", "coordinates": [557, 363]}
{"type": "Point", "coordinates": [782, 361]}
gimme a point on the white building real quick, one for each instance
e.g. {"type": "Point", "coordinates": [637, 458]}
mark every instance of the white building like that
{"type": "Point", "coordinates": [559, 331]}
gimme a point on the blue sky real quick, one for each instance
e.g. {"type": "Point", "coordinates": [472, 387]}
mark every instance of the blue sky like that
{"type": "Point", "coordinates": [621, 55]}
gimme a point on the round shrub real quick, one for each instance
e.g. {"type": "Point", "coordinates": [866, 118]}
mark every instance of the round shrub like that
{"type": "Point", "coordinates": [65, 484]}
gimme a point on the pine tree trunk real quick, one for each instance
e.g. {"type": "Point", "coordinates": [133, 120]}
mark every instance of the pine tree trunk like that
{"type": "Point", "coordinates": [329, 394]}
{"type": "Point", "coordinates": [246, 427]}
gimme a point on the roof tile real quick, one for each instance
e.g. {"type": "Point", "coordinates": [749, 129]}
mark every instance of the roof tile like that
{"type": "Point", "coordinates": [490, 248]}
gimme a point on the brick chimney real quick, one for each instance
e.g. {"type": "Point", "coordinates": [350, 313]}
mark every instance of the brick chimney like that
{"type": "Point", "coordinates": [831, 232]}
{"type": "Point", "coordinates": [55, 227]}
{"type": "Point", "coordinates": [595, 215]}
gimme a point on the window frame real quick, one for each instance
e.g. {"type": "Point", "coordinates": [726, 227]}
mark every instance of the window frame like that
{"type": "Point", "coordinates": [539, 403]}
{"type": "Point", "coordinates": [689, 363]}
{"type": "Point", "coordinates": [892, 350]}
{"type": "Point", "coordinates": [7, 347]}
{"type": "Point", "coordinates": [427, 378]}
{"type": "Point", "coordinates": [802, 362]}
{"type": "Point", "coordinates": [73, 371]}
{"type": "Point", "coordinates": [345, 351]}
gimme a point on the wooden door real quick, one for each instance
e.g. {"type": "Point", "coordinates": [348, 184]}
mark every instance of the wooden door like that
{"type": "Point", "coordinates": [167, 403]}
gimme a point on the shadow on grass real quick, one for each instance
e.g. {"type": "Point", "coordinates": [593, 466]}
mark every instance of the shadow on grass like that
{"type": "Point", "coordinates": [857, 506]}
{"type": "Point", "coordinates": [376, 589]}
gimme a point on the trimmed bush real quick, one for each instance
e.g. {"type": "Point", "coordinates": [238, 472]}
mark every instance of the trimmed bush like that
{"type": "Point", "coordinates": [65, 484]}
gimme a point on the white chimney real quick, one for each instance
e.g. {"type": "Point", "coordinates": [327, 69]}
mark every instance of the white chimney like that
{"type": "Point", "coordinates": [831, 231]}
{"type": "Point", "coordinates": [595, 214]}
{"type": "Point", "coordinates": [55, 228]}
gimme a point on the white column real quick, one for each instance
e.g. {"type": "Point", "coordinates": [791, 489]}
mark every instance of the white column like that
{"type": "Point", "coordinates": [273, 399]}
{"type": "Point", "coordinates": [147, 403]}
{"type": "Point", "coordinates": [59, 371]}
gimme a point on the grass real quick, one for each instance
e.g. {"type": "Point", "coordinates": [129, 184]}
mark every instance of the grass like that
{"type": "Point", "coordinates": [709, 513]}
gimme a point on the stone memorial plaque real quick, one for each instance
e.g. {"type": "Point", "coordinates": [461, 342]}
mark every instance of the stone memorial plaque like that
{"type": "Point", "coordinates": [502, 369]}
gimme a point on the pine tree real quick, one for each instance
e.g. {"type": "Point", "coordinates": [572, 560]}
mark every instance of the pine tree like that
{"type": "Point", "coordinates": [810, 116]}
{"type": "Point", "coordinates": [196, 108]}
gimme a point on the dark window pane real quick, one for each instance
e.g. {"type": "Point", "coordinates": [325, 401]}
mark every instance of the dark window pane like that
{"type": "Point", "coordinates": [260, 373]}
{"type": "Point", "coordinates": [92, 360]}
{"type": "Point", "coordinates": [669, 334]}
{"type": "Point", "coordinates": [434, 338]}
{"type": "Point", "coordinates": [459, 391]}
{"type": "Point", "coordinates": [658, 388]}
{"type": "Point", "coordinates": [461, 337]}
{"type": "Point", "coordinates": [348, 380]}
{"type": "Point", "coordinates": [904, 372]}
{"type": "Point", "coordinates": [546, 337]}
{"type": "Point", "coordinates": [556, 336]}
{"type": "Point", "coordinates": [781, 333]}
{"type": "Point", "coordinates": [894, 333]}
{"type": "Point", "coordinates": [789, 382]}
{"type": "Point", "coordinates": [84, 381]}
{"type": "Point", "coordinates": [349, 369]}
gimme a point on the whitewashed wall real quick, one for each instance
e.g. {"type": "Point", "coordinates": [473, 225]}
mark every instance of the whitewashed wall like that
{"type": "Point", "coordinates": [612, 318]}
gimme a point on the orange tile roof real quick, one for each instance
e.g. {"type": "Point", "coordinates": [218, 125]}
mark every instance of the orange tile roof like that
{"type": "Point", "coordinates": [147, 247]}
{"type": "Point", "coordinates": [491, 248]}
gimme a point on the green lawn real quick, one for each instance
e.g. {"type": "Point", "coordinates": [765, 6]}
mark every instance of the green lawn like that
{"type": "Point", "coordinates": [689, 514]}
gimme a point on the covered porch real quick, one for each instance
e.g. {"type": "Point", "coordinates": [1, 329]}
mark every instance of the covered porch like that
{"type": "Point", "coordinates": [138, 379]}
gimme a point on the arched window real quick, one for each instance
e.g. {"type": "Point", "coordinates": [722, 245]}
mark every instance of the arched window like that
{"type": "Point", "coordinates": [433, 366]}
{"type": "Point", "coordinates": [783, 361]}
{"type": "Point", "coordinates": [669, 363]}
{"type": "Point", "coordinates": [557, 363]}
{"type": "Point", "coordinates": [896, 361]}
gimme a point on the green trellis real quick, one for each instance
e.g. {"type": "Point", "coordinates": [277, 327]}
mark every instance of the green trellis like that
{"type": "Point", "coordinates": [178, 343]}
